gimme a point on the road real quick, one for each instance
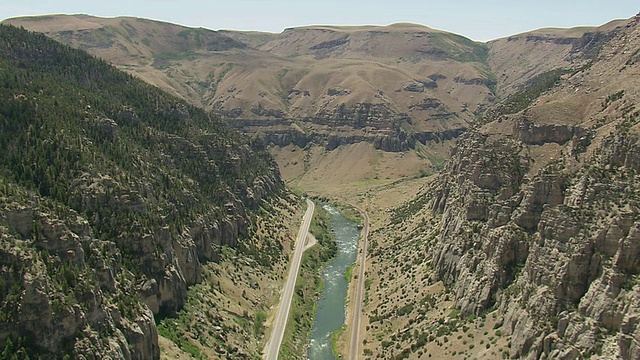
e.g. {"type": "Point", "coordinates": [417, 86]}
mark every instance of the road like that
{"type": "Point", "coordinates": [272, 348]}
{"type": "Point", "coordinates": [357, 306]}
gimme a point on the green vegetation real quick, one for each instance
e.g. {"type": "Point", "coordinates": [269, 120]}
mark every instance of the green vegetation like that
{"type": "Point", "coordinates": [437, 162]}
{"type": "Point", "coordinates": [333, 339]}
{"type": "Point", "coordinates": [175, 56]}
{"type": "Point", "coordinates": [283, 91]}
{"type": "Point", "coordinates": [120, 168]}
{"type": "Point", "coordinates": [195, 33]}
{"type": "Point", "coordinates": [460, 48]}
{"type": "Point", "coordinates": [348, 275]}
{"type": "Point", "coordinates": [16, 349]}
{"type": "Point", "coordinates": [258, 323]}
{"type": "Point", "coordinates": [171, 330]}
{"type": "Point", "coordinates": [532, 90]}
{"type": "Point", "coordinates": [50, 103]}
{"type": "Point", "coordinates": [320, 228]}
{"type": "Point", "coordinates": [227, 311]}
{"type": "Point", "coordinates": [224, 72]}
{"type": "Point", "coordinates": [613, 98]}
{"type": "Point", "coordinates": [406, 210]}
{"type": "Point", "coordinates": [303, 306]}
{"type": "Point", "coordinates": [349, 212]}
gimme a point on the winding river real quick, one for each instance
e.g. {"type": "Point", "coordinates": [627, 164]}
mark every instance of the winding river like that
{"type": "Point", "coordinates": [330, 315]}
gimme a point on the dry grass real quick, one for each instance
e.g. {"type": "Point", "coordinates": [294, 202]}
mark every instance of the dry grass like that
{"type": "Point", "coordinates": [373, 68]}
{"type": "Point", "coordinates": [220, 319]}
{"type": "Point", "coordinates": [346, 170]}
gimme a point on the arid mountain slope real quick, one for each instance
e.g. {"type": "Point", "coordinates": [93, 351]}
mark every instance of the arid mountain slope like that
{"type": "Point", "coordinates": [517, 59]}
{"type": "Point", "coordinates": [390, 85]}
{"type": "Point", "coordinates": [402, 87]}
{"type": "Point", "coordinates": [537, 217]}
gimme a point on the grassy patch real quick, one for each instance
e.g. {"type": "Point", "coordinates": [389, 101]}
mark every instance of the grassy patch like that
{"type": "Point", "coordinates": [460, 48]}
{"type": "Point", "coordinates": [348, 275]}
{"type": "Point", "coordinates": [335, 336]}
{"type": "Point", "coordinates": [258, 324]}
{"type": "Point", "coordinates": [172, 330]}
{"type": "Point", "coordinates": [349, 212]}
{"type": "Point", "coordinates": [308, 284]}
{"type": "Point", "coordinates": [533, 89]}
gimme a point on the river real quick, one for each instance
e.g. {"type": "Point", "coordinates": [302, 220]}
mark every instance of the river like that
{"type": "Point", "coordinates": [330, 315]}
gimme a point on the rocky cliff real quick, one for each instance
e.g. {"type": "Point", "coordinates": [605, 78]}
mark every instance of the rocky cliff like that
{"type": "Point", "coordinates": [540, 214]}
{"type": "Point", "coordinates": [112, 196]}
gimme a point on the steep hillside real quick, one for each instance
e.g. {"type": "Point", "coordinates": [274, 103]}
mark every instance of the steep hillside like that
{"type": "Point", "coordinates": [539, 215]}
{"type": "Point", "coordinates": [534, 221]}
{"type": "Point", "coordinates": [113, 195]}
{"type": "Point", "coordinates": [400, 88]}
{"type": "Point", "coordinates": [391, 86]}
{"type": "Point", "coordinates": [518, 61]}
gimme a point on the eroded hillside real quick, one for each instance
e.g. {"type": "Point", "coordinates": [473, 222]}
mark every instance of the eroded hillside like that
{"type": "Point", "coordinates": [400, 88]}
{"type": "Point", "coordinates": [533, 227]}
{"type": "Point", "coordinates": [390, 86]}
{"type": "Point", "coordinates": [113, 195]}
{"type": "Point", "coordinates": [518, 60]}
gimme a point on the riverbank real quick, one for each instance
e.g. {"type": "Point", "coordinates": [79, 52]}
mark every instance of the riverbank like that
{"type": "Point", "coordinates": [330, 317]}
{"type": "Point", "coordinates": [308, 284]}
{"type": "Point", "coordinates": [378, 198]}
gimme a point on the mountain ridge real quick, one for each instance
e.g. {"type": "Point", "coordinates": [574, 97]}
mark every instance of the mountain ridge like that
{"type": "Point", "coordinates": [532, 228]}
{"type": "Point", "coordinates": [326, 79]}
{"type": "Point", "coordinates": [406, 82]}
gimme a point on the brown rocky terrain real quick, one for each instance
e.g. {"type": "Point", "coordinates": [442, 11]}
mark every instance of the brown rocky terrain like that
{"type": "Point", "coordinates": [390, 86]}
{"type": "Point", "coordinates": [532, 228]}
{"type": "Point", "coordinates": [526, 243]}
{"type": "Point", "coordinates": [519, 58]}
{"type": "Point", "coordinates": [398, 87]}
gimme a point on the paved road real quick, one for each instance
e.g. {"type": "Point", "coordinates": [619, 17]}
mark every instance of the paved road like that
{"type": "Point", "coordinates": [272, 348]}
{"type": "Point", "coordinates": [357, 306]}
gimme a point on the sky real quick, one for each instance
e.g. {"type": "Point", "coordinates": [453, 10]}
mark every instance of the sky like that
{"type": "Point", "coordinates": [476, 19]}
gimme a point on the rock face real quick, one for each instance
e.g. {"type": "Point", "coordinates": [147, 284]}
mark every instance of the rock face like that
{"type": "Point", "coordinates": [540, 216]}
{"type": "Point", "coordinates": [370, 124]}
{"type": "Point", "coordinates": [108, 213]}
{"type": "Point", "coordinates": [64, 282]}
{"type": "Point", "coordinates": [517, 59]}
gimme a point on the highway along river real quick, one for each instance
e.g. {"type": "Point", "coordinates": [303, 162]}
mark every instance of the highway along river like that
{"type": "Point", "coordinates": [331, 312]}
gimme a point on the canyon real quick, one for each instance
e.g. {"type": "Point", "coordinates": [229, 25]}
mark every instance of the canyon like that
{"type": "Point", "coordinates": [501, 179]}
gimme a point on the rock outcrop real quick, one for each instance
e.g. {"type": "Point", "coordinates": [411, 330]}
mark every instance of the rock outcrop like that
{"type": "Point", "coordinates": [544, 248]}
{"type": "Point", "coordinates": [365, 123]}
{"type": "Point", "coordinates": [109, 204]}
{"type": "Point", "coordinates": [540, 219]}
{"type": "Point", "coordinates": [59, 281]}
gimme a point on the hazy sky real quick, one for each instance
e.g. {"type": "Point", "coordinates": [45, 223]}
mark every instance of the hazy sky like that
{"type": "Point", "coordinates": [476, 19]}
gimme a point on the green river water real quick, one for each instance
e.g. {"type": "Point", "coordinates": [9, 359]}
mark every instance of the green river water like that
{"type": "Point", "coordinates": [331, 305]}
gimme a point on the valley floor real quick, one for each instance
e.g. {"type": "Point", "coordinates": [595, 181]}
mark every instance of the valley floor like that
{"type": "Point", "coordinates": [406, 313]}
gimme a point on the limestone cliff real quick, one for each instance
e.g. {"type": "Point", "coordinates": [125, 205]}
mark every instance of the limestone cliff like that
{"type": "Point", "coordinates": [540, 214]}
